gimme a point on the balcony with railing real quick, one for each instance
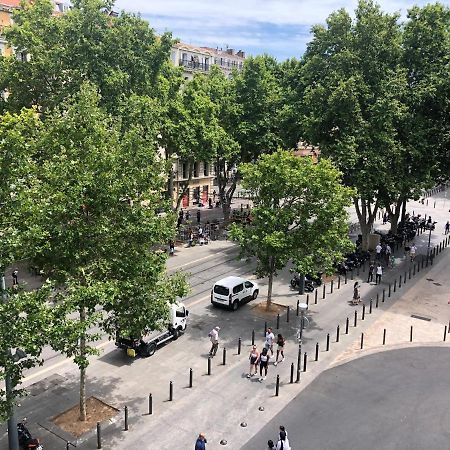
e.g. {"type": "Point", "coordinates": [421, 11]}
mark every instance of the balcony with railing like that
{"type": "Point", "coordinates": [194, 65]}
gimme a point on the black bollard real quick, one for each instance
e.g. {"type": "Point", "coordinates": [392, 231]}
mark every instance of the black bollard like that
{"type": "Point", "coordinates": [376, 302]}
{"type": "Point", "coordinates": [423, 262]}
{"type": "Point", "coordinates": [224, 358]}
{"type": "Point", "coordinates": [400, 282]}
{"type": "Point", "coordinates": [339, 281]}
{"type": "Point", "coordinates": [150, 403]}
{"type": "Point", "coordinates": [277, 386]}
{"type": "Point", "coordinates": [126, 418]}
{"type": "Point", "coordinates": [363, 312]}
{"type": "Point", "coordinates": [356, 319]}
{"type": "Point", "coordinates": [307, 300]}
{"type": "Point", "coordinates": [292, 373]}
{"type": "Point", "coordinates": [411, 334]}
{"type": "Point", "coordinates": [328, 342]}
{"type": "Point", "coordinates": [337, 333]}
{"type": "Point", "coordinates": [253, 337]}
{"type": "Point", "coordinates": [239, 345]}
{"type": "Point", "coordinates": [288, 310]}
{"type": "Point", "coordinates": [346, 325]}
{"type": "Point", "coordinates": [315, 297]}
{"type": "Point", "coordinates": [389, 291]}
{"type": "Point", "coordinates": [404, 279]}
{"type": "Point", "coordinates": [324, 292]}
{"type": "Point", "coordinates": [298, 307]}
{"type": "Point", "coordinates": [362, 340]}
{"type": "Point", "coordinates": [414, 269]}
{"type": "Point", "coordinates": [317, 351]}
{"type": "Point", "coordinates": [345, 279]}
{"type": "Point", "coordinates": [265, 328]}
{"type": "Point", "coordinates": [278, 321]}
{"type": "Point", "coordinates": [445, 333]}
{"type": "Point", "coordinates": [384, 296]}
{"type": "Point", "coordinates": [99, 436]}
{"type": "Point", "coordinates": [395, 285]}
{"type": "Point", "coordinates": [331, 286]}
{"type": "Point", "coordinates": [409, 273]}
{"type": "Point", "coordinates": [209, 367]}
{"type": "Point", "coordinates": [384, 336]}
{"type": "Point", "coordinates": [305, 359]}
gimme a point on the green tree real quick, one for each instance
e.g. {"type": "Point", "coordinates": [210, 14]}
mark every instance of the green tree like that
{"type": "Point", "coordinates": [352, 103]}
{"type": "Point", "coordinates": [120, 55]}
{"type": "Point", "coordinates": [98, 233]}
{"type": "Point", "coordinates": [299, 215]}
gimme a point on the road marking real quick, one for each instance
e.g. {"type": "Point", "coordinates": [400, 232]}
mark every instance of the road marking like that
{"type": "Point", "coordinates": [58, 364]}
{"type": "Point", "coordinates": [199, 300]}
{"type": "Point", "coordinates": [196, 260]}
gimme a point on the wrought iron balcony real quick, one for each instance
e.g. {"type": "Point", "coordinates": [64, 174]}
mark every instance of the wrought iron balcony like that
{"type": "Point", "coordinates": [194, 65]}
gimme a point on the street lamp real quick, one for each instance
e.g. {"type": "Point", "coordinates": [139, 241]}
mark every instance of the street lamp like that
{"type": "Point", "coordinates": [303, 307]}
{"type": "Point", "coordinates": [432, 225]}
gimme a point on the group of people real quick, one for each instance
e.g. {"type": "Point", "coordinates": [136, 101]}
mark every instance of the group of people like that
{"type": "Point", "coordinates": [262, 359]}
{"type": "Point", "coordinates": [378, 271]}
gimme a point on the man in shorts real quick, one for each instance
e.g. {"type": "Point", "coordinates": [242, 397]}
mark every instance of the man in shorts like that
{"type": "Point", "coordinates": [270, 337]}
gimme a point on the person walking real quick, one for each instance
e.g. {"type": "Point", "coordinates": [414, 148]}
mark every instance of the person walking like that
{"type": "Point", "coordinates": [263, 364]}
{"type": "Point", "coordinates": [198, 216]}
{"type": "Point", "coordinates": [171, 248]}
{"type": "Point", "coordinates": [388, 252]}
{"type": "Point", "coordinates": [371, 270]}
{"type": "Point", "coordinates": [15, 277]}
{"type": "Point", "coordinates": [283, 442]}
{"type": "Point", "coordinates": [385, 218]}
{"type": "Point", "coordinates": [379, 274]}
{"type": "Point", "coordinates": [356, 295]}
{"type": "Point", "coordinates": [270, 445]}
{"type": "Point", "coordinates": [253, 358]}
{"type": "Point", "coordinates": [214, 338]}
{"type": "Point", "coordinates": [270, 337]}
{"type": "Point", "coordinates": [447, 227]}
{"type": "Point", "coordinates": [280, 348]}
{"type": "Point", "coordinates": [378, 249]}
{"type": "Point", "coordinates": [200, 443]}
{"type": "Point", "coordinates": [191, 238]}
{"type": "Point", "coordinates": [412, 251]}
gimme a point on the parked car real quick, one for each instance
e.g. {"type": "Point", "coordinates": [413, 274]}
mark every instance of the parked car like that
{"type": "Point", "coordinates": [232, 292]}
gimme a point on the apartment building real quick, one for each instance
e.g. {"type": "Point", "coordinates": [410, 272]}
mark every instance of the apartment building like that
{"type": "Point", "coordinates": [200, 59]}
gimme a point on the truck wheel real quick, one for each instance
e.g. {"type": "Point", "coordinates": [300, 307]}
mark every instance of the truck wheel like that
{"type": "Point", "coordinates": [235, 305]}
{"type": "Point", "coordinates": [146, 350]}
{"type": "Point", "coordinates": [175, 333]}
{"type": "Point", "coordinates": [255, 295]}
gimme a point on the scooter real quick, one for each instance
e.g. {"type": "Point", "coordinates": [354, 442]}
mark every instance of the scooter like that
{"type": "Point", "coordinates": [26, 441]}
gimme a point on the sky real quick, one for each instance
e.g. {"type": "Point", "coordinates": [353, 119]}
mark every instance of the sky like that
{"type": "Point", "coordinates": [280, 28]}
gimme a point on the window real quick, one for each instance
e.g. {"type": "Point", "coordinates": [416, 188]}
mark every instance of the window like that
{"type": "Point", "coordinates": [248, 284]}
{"type": "Point", "coordinates": [221, 290]}
{"type": "Point", "coordinates": [184, 56]}
{"type": "Point", "coordinates": [180, 312]}
{"type": "Point", "coordinates": [205, 169]}
{"type": "Point", "coordinates": [196, 171]}
{"type": "Point", "coordinates": [185, 170]}
{"type": "Point", "coordinates": [238, 288]}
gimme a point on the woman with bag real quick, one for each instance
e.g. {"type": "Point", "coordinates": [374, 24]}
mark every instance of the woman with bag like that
{"type": "Point", "coordinates": [253, 358]}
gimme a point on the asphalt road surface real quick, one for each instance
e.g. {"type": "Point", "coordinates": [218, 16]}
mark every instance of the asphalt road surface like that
{"type": "Point", "coordinates": [390, 400]}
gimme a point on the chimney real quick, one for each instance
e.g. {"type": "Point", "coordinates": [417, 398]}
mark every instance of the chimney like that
{"type": "Point", "coordinates": [241, 54]}
{"type": "Point", "coordinates": [230, 51]}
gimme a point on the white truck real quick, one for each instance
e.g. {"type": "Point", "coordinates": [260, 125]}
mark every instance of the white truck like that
{"type": "Point", "coordinates": [146, 345]}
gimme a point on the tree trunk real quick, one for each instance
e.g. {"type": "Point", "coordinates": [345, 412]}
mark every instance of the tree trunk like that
{"type": "Point", "coordinates": [83, 369]}
{"type": "Point", "coordinates": [404, 209]}
{"type": "Point", "coordinates": [366, 217]}
{"type": "Point", "coordinates": [225, 195]}
{"type": "Point", "coordinates": [270, 286]}
{"type": "Point", "coordinates": [169, 177]}
{"type": "Point", "coordinates": [186, 187]}
{"type": "Point", "coordinates": [395, 214]}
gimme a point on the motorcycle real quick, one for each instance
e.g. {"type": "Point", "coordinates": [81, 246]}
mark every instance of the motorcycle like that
{"type": "Point", "coordinates": [309, 283]}
{"type": "Point", "coordinates": [26, 441]}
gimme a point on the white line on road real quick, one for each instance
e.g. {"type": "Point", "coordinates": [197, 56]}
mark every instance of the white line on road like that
{"type": "Point", "coordinates": [196, 260]}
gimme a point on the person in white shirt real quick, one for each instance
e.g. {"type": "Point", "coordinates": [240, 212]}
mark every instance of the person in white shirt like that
{"type": "Point", "coordinates": [214, 338]}
{"type": "Point", "coordinates": [270, 337]}
{"type": "Point", "coordinates": [283, 442]}
{"type": "Point", "coordinates": [379, 274]}
{"type": "Point", "coordinates": [412, 252]}
{"type": "Point", "coordinates": [378, 249]}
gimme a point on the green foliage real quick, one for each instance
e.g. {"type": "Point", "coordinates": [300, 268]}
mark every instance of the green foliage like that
{"type": "Point", "coordinates": [299, 214]}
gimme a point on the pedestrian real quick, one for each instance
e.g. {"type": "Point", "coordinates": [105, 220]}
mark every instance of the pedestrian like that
{"type": "Point", "coordinates": [270, 445]}
{"type": "Point", "coordinates": [385, 218]}
{"type": "Point", "coordinates": [263, 364]}
{"type": "Point", "coordinates": [371, 269]}
{"type": "Point", "coordinates": [356, 295]}
{"type": "Point", "coordinates": [181, 215]}
{"type": "Point", "coordinates": [283, 442]}
{"type": "Point", "coordinates": [210, 203]}
{"type": "Point", "coordinates": [171, 248]}
{"type": "Point", "coordinates": [388, 252]}
{"type": "Point", "coordinates": [283, 428]}
{"type": "Point", "coordinates": [198, 216]}
{"type": "Point", "coordinates": [270, 337]}
{"type": "Point", "coordinates": [378, 249]}
{"type": "Point", "coordinates": [15, 277]}
{"type": "Point", "coordinates": [191, 238]}
{"type": "Point", "coordinates": [447, 227]}
{"type": "Point", "coordinates": [280, 348]}
{"type": "Point", "coordinates": [201, 442]}
{"type": "Point", "coordinates": [214, 338]}
{"type": "Point", "coordinates": [412, 251]}
{"type": "Point", "coordinates": [188, 215]}
{"type": "Point", "coordinates": [253, 358]}
{"type": "Point", "coordinates": [379, 274]}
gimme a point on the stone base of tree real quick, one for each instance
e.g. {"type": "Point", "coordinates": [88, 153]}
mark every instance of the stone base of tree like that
{"type": "Point", "coordinates": [97, 411]}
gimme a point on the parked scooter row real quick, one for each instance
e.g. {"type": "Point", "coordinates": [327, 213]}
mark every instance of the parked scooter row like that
{"type": "Point", "coordinates": [26, 441]}
{"type": "Point", "coordinates": [310, 282]}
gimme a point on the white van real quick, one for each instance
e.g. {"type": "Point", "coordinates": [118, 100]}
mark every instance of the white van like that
{"type": "Point", "coordinates": [233, 291]}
